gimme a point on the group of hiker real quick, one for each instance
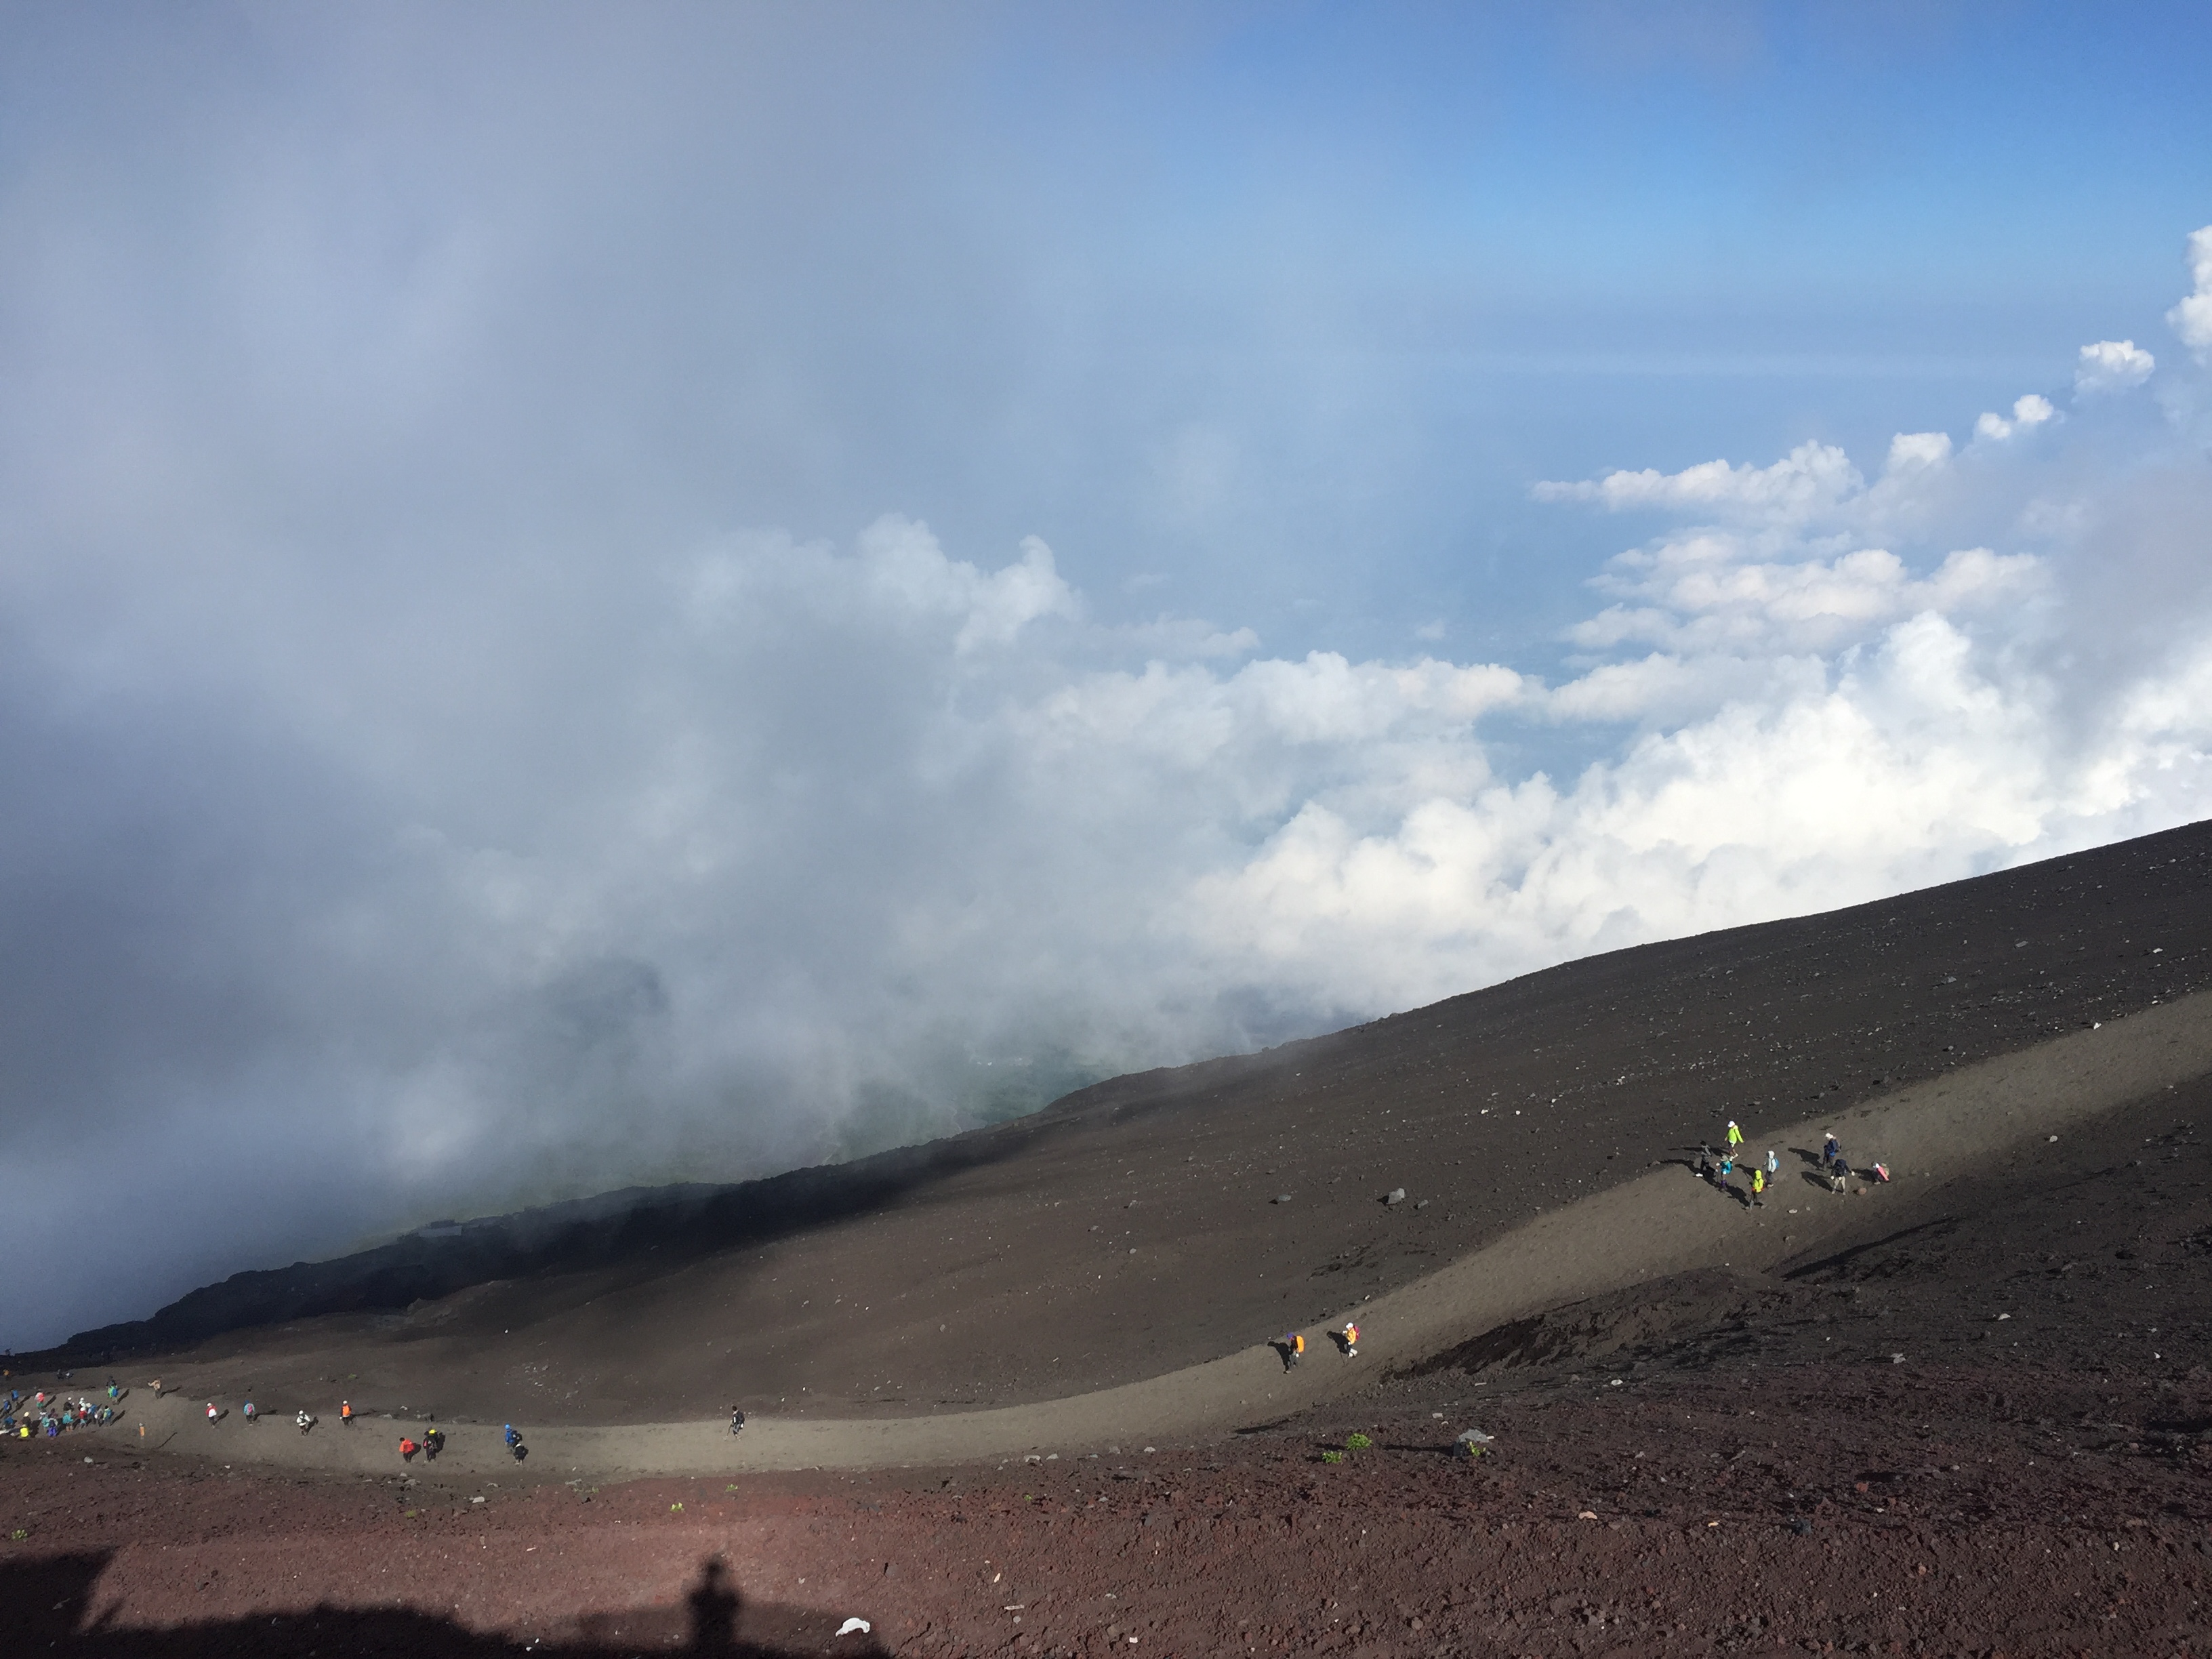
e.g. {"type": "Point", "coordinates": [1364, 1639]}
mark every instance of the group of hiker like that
{"type": "Point", "coordinates": [1291, 1345]}
{"type": "Point", "coordinates": [427, 1443]}
{"type": "Point", "coordinates": [432, 1440]}
{"type": "Point", "coordinates": [1719, 1167]}
{"type": "Point", "coordinates": [48, 1416]}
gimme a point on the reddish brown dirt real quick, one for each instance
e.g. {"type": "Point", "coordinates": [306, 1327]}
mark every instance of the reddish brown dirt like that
{"type": "Point", "coordinates": [1660, 1521]}
{"type": "Point", "coordinates": [1722, 1462]}
{"type": "Point", "coordinates": [1129, 1231]}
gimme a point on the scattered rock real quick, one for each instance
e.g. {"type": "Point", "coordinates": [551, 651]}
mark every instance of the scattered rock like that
{"type": "Point", "coordinates": [1280, 1198]}
{"type": "Point", "coordinates": [1396, 1195]}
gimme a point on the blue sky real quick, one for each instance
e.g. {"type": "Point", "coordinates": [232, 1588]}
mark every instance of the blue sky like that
{"type": "Point", "coordinates": [595, 595]}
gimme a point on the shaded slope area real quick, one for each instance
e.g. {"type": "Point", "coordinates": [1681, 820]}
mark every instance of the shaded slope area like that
{"type": "Point", "coordinates": [1128, 1229]}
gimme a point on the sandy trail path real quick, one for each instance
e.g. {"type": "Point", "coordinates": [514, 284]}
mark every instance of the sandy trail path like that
{"type": "Point", "coordinates": [1657, 1224]}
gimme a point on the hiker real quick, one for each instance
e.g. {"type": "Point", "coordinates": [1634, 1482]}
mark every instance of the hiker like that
{"type": "Point", "coordinates": [1735, 1137]}
{"type": "Point", "coordinates": [512, 1438]}
{"type": "Point", "coordinates": [212, 1413]}
{"type": "Point", "coordinates": [1294, 1349]}
{"type": "Point", "coordinates": [345, 1413]}
{"type": "Point", "coordinates": [1829, 1151]}
{"type": "Point", "coordinates": [305, 1421]}
{"type": "Point", "coordinates": [1351, 1341]}
{"type": "Point", "coordinates": [407, 1449]}
{"type": "Point", "coordinates": [1839, 1175]}
{"type": "Point", "coordinates": [1773, 1163]}
{"type": "Point", "coordinates": [737, 1421]}
{"type": "Point", "coordinates": [1705, 1162]}
{"type": "Point", "coordinates": [1758, 1185]}
{"type": "Point", "coordinates": [249, 1413]}
{"type": "Point", "coordinates": [1882, 1172]}
{"type": "Point", "coordinates": [434, 1442]}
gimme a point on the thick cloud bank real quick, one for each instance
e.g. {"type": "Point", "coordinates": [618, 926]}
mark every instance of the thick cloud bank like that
{"type": "Point", "coordinates": [461, 887]}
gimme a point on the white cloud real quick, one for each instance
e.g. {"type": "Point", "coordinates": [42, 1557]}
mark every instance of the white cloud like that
{"type": "Point", "coordinates": [2112, 365]}
{"type": "Point", "coordinates": [1811, 478]}
{"type": "Point", "coordinates": [2192, 319]}
{"type": "Point", "coordinates": [2028, 412]}
{"type": "Point", "coordinates": [1912, 450]}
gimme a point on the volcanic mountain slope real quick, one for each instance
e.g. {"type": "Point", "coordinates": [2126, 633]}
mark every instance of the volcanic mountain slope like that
{"type": "Point", "coordinates": [1987, 1430]}
{"type": "Point", "coordinates": [1131, 1228]}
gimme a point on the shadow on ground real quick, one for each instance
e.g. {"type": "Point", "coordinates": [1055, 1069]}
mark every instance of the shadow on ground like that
{"type": "Point", "coordinates": [46, 1607]}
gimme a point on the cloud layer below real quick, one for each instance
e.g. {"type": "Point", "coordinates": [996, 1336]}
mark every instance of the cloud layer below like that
{"type": "Point", "coordinates": [394, 898]}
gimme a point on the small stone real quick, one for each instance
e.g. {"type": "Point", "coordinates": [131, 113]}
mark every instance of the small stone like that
{"type": "Point", "coordinates": [1396, 1195]}
{"type": "Point", "coordinates": [1280, 1198]}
